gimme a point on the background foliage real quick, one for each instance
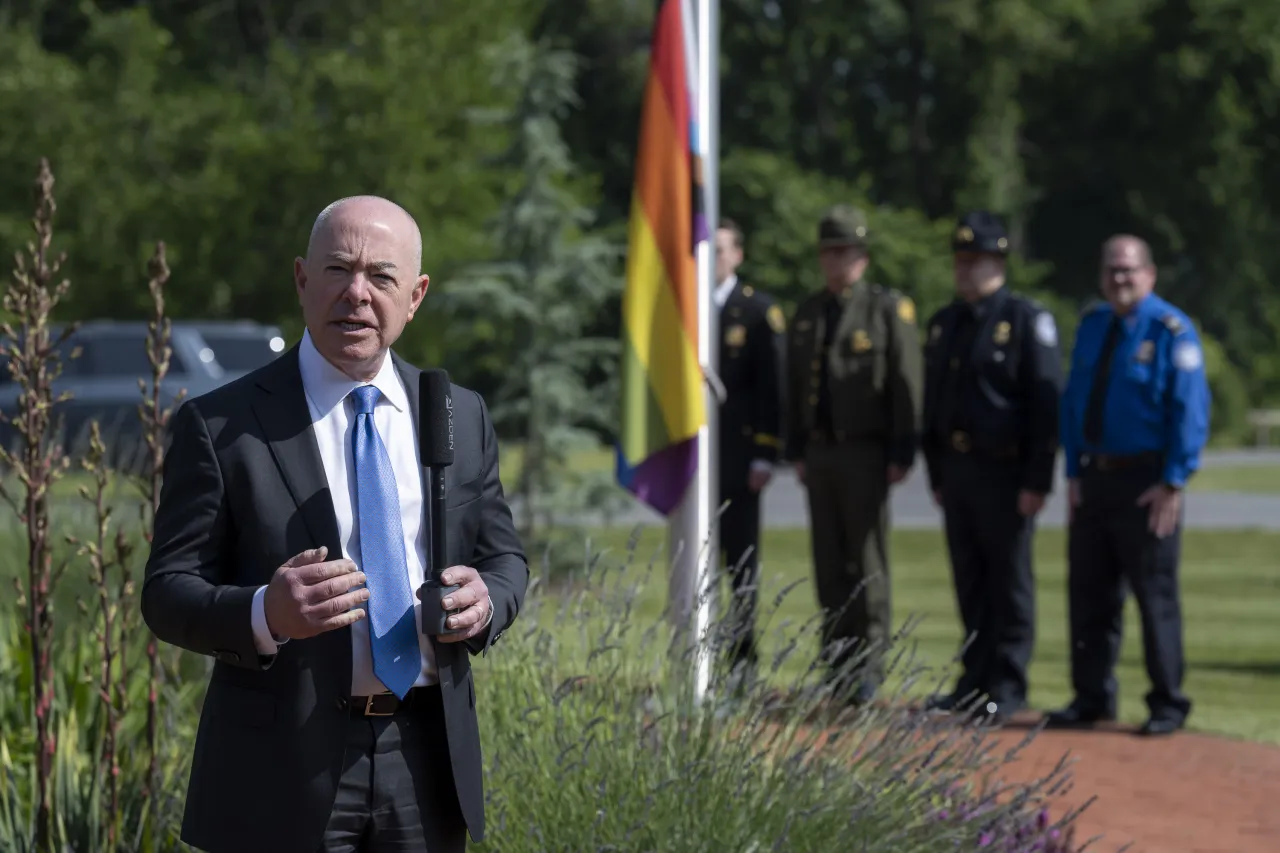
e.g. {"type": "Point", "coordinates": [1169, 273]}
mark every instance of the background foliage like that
{"type": "Point", "coordinates": [224, 128]}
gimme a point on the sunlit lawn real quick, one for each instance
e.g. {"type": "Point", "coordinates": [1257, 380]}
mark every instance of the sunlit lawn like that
{"type": "Point", "coordinates": [1255, 479]}
{"type": "Point", "coordinates": [1231, 588]}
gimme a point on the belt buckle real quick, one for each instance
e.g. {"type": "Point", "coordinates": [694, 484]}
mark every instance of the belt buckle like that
{"type": "Point", "coordinates": [368, 706]}
{"type": "Point", "coordinates": [960, 441]}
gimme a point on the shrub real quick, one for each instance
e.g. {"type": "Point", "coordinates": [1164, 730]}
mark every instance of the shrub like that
{"type": "Point", "coordinates": [594, 741]}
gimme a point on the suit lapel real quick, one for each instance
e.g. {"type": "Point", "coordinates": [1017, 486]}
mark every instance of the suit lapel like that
{"type": "Point", "coordinates": [280, 405]}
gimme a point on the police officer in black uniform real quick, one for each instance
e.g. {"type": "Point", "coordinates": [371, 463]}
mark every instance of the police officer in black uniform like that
{"type": "Point", "coordinates": [751, 351]}
{"type": "Point", "coordinates": [992, 381]}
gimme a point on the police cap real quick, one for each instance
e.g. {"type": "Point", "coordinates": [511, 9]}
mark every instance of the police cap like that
{"type": "Point", "coordinates": [980, 231]}
{"type": "Point", "coordinates": [842, 225]}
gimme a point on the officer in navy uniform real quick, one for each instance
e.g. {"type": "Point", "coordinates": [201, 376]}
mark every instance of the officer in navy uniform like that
{"type": "Point", "coordinates": [1135, 416]}
{"type": "Point", "coordinates": [751, 352]}
{"type": "Point", "coordinates": [993, 376]}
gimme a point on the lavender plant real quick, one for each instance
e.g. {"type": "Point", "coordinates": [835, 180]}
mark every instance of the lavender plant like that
{"type": "Point", "coordinates": [594, 742]}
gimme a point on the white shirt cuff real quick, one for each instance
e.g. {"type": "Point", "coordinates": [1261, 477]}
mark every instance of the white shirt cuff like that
{"type": "Point", "coordinates": [262, 637]}
{"type": "Point", "coordinates": [489, 618]}
{"type": "Point", "coordinates": [762, 465]}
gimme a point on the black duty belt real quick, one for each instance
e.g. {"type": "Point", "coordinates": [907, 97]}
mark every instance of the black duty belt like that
{"type": "Point", "coordinates": [1108, 462]}
{"type": "Point", "coordinates": [826, 436]}
{"type": "Point", "coordinates": [962, 442]}
{"type": "Point", "coordinates": [387, 704]}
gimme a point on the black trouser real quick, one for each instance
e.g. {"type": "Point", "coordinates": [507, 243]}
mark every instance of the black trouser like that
{"type": "Point", "coordinates": [990, 547]}
{"type": "Point", "coordinates": [396, 792]}
{"type": "Point", "coordinates": [1111, 547]}
{"type": "Point", "coordinates": [740, 547]}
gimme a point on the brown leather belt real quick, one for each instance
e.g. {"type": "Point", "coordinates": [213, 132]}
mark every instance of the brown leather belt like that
{"type": "Point", "coordinates": [1108, 462]}
{"type": "Point", "coordinates": [386, 704]}
{"type": "Point", "coordinates": [962, 442]}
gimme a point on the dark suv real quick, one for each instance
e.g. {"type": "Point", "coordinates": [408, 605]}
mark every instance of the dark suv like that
{"type": "Point", "coordinates": [103, 383]}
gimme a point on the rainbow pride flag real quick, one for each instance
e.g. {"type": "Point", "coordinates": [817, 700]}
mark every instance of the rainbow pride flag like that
{"type": "Point", "coordinates": [662, 391]}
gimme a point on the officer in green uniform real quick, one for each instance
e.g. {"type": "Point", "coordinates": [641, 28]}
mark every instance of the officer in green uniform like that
{"type": "Point", "coordinates": [853, 391]}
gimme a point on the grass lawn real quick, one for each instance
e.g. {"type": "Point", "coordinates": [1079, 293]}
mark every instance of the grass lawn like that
{"type": "Point", "coordinates": [1231, 589]}
{"type": "Point", "coordinates": [1253, 479]}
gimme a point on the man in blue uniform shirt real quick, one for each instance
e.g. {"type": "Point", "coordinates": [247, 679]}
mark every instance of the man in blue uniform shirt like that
{"type": "Point", "coordinates": [1135, 416]}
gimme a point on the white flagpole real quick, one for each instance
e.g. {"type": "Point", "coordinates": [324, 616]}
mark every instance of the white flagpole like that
{"type": "Point", "coordinates": [694, 549]}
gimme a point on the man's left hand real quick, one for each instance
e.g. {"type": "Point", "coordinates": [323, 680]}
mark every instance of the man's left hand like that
{"type": "Point", "coordinates": [759, 477]}
{"type": "Point", "coordinates": [1030, 503]}
{"type": "Point", "coordinates": [1164, 503]}
{"type": "Point", "coordinates": [469, 603]}
{"type": "Point", "coordinates": [897, 473]}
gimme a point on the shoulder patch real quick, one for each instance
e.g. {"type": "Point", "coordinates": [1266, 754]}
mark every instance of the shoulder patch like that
{"type": "Point", "coordinates": [776, 321]}
{"type": "Point", "coordinates": [906, 310]}
{"type": "Point", "coordinates": [1046, 329]}
{"type": "Point", "coordinates": [1187, 355]}
{"type": "Point", "coordinates": [1172, 323]}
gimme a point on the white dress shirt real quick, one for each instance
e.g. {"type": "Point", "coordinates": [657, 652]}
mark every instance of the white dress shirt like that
{"type": "Point", "coordinates": [720, 296]}
{"type": "Point", "coordinates": [333, 418]}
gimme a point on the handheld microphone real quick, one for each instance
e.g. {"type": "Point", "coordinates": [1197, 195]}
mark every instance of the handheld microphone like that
{"type": "Point", "coordinates": [435, 444]}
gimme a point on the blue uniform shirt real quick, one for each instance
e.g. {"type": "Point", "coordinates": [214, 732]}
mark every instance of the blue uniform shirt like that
{"type": "Point", "coordinates": [1158, 397]}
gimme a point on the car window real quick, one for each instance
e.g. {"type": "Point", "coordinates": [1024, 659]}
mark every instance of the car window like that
{"type": "Point", "coordinates": [110, 355]}
{"type": "Point", "coordinates": [242, 352]}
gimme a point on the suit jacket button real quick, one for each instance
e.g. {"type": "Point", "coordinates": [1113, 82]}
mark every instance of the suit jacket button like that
{"type": "Point", "coordinates": [341, 703]}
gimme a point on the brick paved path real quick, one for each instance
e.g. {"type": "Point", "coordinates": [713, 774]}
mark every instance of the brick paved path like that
{"type": "Point", "coordinates": [1188, 793]}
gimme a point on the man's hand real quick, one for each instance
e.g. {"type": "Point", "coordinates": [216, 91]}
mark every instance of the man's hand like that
{"type": "Point", "coordinates": [471, 601]}
{"type": "Point", "coordinates": [759, 477]}
{"type": "Point", "coordinates": [1164, 502]}
{"type": "Point", "coordinates": [897, 474]}
{"type": "Point", "coordinates": [1073, 498]}
{"type": "Point", "coordinates": [308, 596]}
{"type": "Point", "coordinates": [1030, 503]}
{"type": "Point", "coordinates": [798, 467]}
{"type": "Point", "coordinates": [937, 498]}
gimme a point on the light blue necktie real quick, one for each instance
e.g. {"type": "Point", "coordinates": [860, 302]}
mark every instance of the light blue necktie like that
{"type": "Point", "coordinates": [393, 631]}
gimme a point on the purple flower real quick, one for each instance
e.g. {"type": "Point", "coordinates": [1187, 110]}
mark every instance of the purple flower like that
{"type": "Point", "coordinates": [985, 839]}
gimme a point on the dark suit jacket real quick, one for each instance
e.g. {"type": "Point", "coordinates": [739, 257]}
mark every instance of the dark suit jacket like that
{"type": "Point", "coordinates": [244, 490]}
{"type": "Point", "coordinates": [751, 352]}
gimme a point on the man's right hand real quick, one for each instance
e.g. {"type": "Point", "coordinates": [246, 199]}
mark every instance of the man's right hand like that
{"type": "Point", "coordinates": [1073, 498]}
{"type": "Point", "coordinates": [798, 467]}
{"type": "Point", "coordinates": [308, 596]}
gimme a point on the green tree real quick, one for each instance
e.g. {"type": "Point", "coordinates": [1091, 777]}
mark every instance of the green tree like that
{"type": "Point", "coordinates": [526, 314]}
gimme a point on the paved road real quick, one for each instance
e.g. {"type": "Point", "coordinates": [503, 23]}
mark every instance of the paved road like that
{"type": "Point", "coordinates": [912, 506]}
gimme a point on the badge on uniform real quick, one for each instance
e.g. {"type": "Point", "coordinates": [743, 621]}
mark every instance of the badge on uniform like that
{"type": "Point", "coordinates": [776, 320]}
{"type": "Point", "coordinates": [861, 343]}
{"type": "Point", "coordinates": [1187, 356]}
{"type": "Point", "coordinates": [1146, 351]}
{"type": "Point", "coordinates": [1001, 336]}
{"type": "Point", "coordinates": [906, 310]}
{"type": "Point", "coordinates": [1046, 329]}
{"type": "Point", "coordinates": [736, 336]}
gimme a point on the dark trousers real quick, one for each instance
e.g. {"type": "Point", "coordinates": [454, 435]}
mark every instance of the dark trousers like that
{"type": "Point", "coordinates": [848, 491]}
{"type": "Point", "coordinates": [989, 543]}
{"type": "Point", "coordinates": [1110, 549]}
{"type": "Point", "coordinates": [396, 793]}
{"type": "Point", "coordinates": [740, 548]}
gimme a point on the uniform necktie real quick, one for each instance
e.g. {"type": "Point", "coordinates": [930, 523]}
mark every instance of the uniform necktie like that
{"type": "Point", "coordinates": [393, 633]}
{"type": "Point", "coordinates": [1098, 391]}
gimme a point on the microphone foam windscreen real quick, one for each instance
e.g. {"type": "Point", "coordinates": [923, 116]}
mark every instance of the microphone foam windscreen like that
{"type": "Point", "coordinates": [435, 419]}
